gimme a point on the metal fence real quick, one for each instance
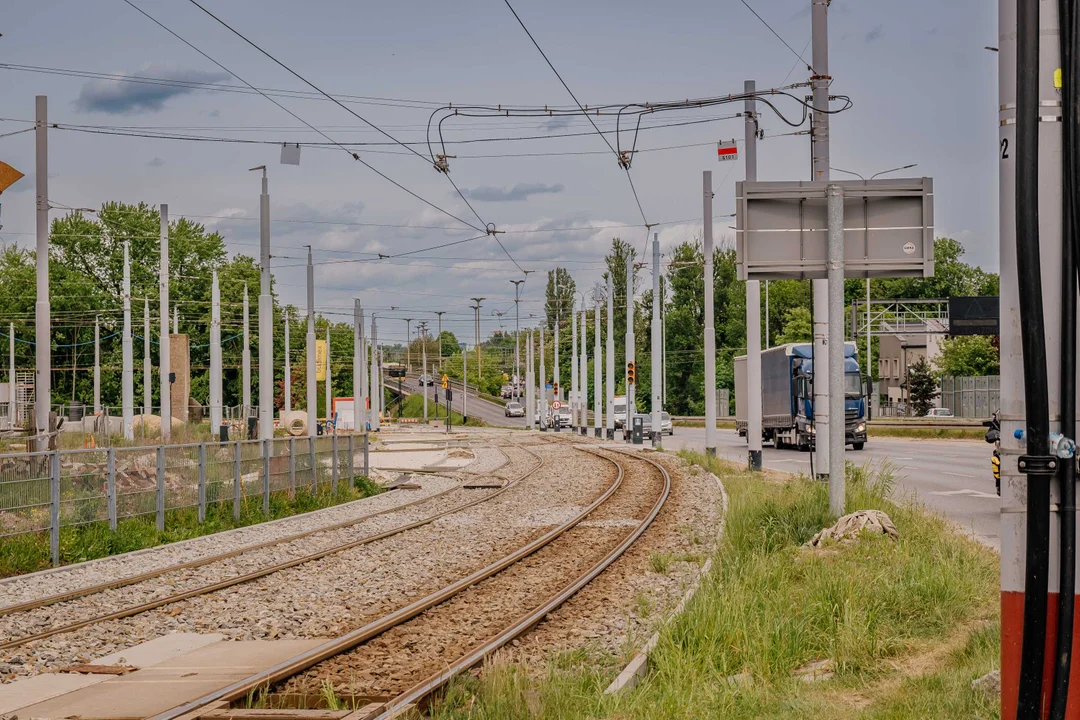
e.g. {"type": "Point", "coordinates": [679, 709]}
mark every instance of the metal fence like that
{"type": "Point", "coordinates": [971, 397]}
{"type": "Point", "coordinates": [43, 492]}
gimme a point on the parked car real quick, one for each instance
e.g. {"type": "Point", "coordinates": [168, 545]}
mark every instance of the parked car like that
{"type": "Point", "coordinates": [514, 409]}
{"type": "Point", "coordinates": [939, 413]}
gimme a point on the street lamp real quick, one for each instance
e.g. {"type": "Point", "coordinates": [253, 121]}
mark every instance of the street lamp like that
{"type": "Point", "coordinates": [440, 314]}
{"type": "Point", "coordinates": [883, 172]}
{"type": "Point", "coordinates": [517, 337]}
{"type": "Point", "coordinates": [476, 307]}
{"type": "Point", "coordinates": [408, 349]}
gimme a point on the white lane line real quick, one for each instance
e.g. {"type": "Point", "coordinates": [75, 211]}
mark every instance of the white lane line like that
{"type": "Point", "coordinates": [894, 457]}
{"type": "Point", "coordinates": [965, 491]}
{"type": "Point", "coordinates": [943, 472]}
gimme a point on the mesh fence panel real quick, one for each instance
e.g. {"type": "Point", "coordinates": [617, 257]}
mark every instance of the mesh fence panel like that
{"type": "Point", "coordinates": [136, 481]}
{"type": "Point", "coordinates": [84, 494]}
{"type": "Point", "coordinates": [24, 493]}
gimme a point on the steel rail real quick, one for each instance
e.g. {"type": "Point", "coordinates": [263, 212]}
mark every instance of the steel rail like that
{"type": "Point", "coordinates": [263, 572]}
{"type": "Point", "coordinates": [524, 623]}
{"type": "Point", "coordinates": [346, 642]}
{"type": "Point", "coordinates": [151, 574]}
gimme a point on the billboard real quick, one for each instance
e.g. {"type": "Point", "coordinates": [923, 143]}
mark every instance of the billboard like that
{"type": "Point", "coordinates": [974, 316]}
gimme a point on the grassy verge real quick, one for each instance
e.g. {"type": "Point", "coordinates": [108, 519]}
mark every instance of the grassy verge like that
{"type": "Point", "coordinates": [906, 625]}
{"type": "Point", "coordinates": [29, 553]}
{"type": "Point", "coordinates": [973, 433]}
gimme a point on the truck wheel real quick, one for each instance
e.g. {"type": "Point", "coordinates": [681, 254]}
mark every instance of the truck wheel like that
{"type": "Point", "coordinates": [857, 446]}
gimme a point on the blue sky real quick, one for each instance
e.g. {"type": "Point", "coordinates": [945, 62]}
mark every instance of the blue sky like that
{"type": "Point", "coordinates": [923, 87]}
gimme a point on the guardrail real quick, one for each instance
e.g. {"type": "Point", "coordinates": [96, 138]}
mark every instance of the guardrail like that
{"type": "Point", "coordinates": [46, 491]}
{"type": "Point", "coordinates": [944, 424]}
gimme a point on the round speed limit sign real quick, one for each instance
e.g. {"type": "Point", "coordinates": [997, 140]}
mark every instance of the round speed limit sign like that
{"type": "Point", "coordinates": [556, 405]}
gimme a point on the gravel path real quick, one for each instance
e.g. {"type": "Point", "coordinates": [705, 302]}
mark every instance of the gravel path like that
{"type": "Point", "coordinates": [19, 589]}
{"type": "Point", "coordinates": [407, 654]}
{"type": "Point", "coordinates": [332, 595]}
{"type": "Point", "coordinates": [614, 615]}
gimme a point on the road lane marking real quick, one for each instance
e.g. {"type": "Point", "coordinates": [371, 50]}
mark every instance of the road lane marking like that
{"type": "Point", "coordinates": [943, 472]}
{"type": "Point", "coordinates": [965, 491]}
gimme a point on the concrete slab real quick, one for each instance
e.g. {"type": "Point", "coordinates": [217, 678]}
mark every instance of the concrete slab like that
{"type": "Point", "coordinates": [159, 650]}
{"type": "Point", "coordinates": [41, 688]}
{"type": "Point", "coordinates": [152, 690]}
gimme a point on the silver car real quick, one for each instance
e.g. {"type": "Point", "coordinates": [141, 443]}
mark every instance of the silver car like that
{"type": "Point", "coordinates": [514, 409]}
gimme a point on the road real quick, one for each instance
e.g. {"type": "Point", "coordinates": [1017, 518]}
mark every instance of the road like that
{"type": "Point", "coordinates": [950, 477]}
{"type": "Point", "coordinates": [489, 412]}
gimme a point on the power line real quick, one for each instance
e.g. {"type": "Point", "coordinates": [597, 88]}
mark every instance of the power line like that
{"type": "Point", "coordinates": [778, 37]}
{"type": "Point", "coordinates": [297, 117]}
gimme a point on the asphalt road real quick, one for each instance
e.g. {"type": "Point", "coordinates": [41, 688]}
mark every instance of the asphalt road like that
{"type": "Point", "coordinates": [950, 477]}
{"type": "Point", "coordinates": [489, 412]}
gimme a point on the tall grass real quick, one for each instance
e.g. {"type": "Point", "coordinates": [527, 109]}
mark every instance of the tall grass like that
{"type": "Point", "coordinates": [30, 552]}
{"type": "Point", "coordinates": [770, 606]}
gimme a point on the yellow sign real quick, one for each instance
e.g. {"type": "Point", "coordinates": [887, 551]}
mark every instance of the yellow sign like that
{"type": "Point", "coordinates": [1057, 78]}
{"type": "Point", "coordinates": [445, 382]}
{"type": "Point", "coordinates": [320, 360]}
{"type": "Point", "coordinates": [8, 176]}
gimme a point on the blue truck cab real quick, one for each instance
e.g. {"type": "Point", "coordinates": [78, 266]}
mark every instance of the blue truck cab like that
{"type": "Point", "coordinates": [787, 396]}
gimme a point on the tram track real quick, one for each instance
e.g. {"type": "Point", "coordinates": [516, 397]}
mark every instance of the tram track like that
{"type": "Point", "coordinates": [174, 597]}
{"type": "Point", "coordinates": [632, 505]}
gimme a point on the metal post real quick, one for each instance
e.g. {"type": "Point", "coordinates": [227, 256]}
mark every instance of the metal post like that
{"type": "Point", "coordinates": [333, 464]}
{"type": "Point", "coordinates": [611, 349]}
{"type": "Point", "coordinates": [583, 372]}
{"type": "Point", "coordinates": [543, 383]}
{"type": "Point", "coordinates": [530, 401]}
{"type": "Point", "coordinates": [245, 376]}
{"type": "Point", "coordinates": [631, 353]}
{"type": "Point", "coordinates": [408, 348]}
{"type": "Point", "coordinates": [352, 460]}
{"type": "Point", "coordinates": [288, 368]}
{"type": "Point", "coordinates": [360, 368]}
{"type": "Point", "coordinates": [202, 482]}
{"type": "Point", "coordinates": [312, 383]}
{"type": "Point", "coordinates": [42, 307]}
{"type": "Point", "coordinates": [710, 322]}
{"type": "Point", "coordinates": [13, 408]}
{"type": "Point", "coordinates": [819, 151]}
{"type": "Point", "coordinates": [328, 384]}
{"type": "Point", "coordinates": [517, 339]}
{"type": "Point", "coordinates": [663, 349]}
{"type": "Point", "coordinates": [164, 360]}
{"type": "Point", "coordinates": [97, 366]}
{"type": "Point", "coordinates": [161, 484]}
{"type": "Point", "coordinates": [835, 209]}
{"type": "Point", "coordinates": [292, 467]}
{"type": "Point", "coordinates": [54, 506]}
{"type": "Point", "coordinates": [148, 368]}
{"type": "Point", "coordinates": [425, 370]}
{"type": "Point", "coordinates": [237, 480]}
{"type": "Point", "coordinates": [655, 382]}
{"type": "Point", "coordinates": [266, 323]}
{"type": "Point", "coordinates": [768, 335]}
{"type": "Point", "coordinates": [869, 355]}
{"type": "Point", "coordinates": [367, 467]}
{"type": "Point", "coordinates": [598, 373]}
{"type": "Point", "coordinates": [215, 356]}
{"type": "Point", "coordinates": [176, 319]}
{"type": "Point", "coordinates": [127, 372]}
{"type": "Point", "coordinates": [268, 451]}
{"type": "Point", "coordinates": [754, 425]}
{"type": "Point", "coordinates": [464, 385]}
{"type": "Point", "coordinates": [314, 473]}
{"type": "Point", "coordinates": [575, 387]}
{"type": "Point", "coordinates": [555, 390]}
{"type": "Point", "coordinates": [375, 393]}
{"type": "Point", "coordinates": [110, 485]}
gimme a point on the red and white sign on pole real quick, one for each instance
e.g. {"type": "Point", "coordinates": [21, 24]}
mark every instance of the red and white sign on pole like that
{"type": "Point", "coordinates": [555, 405]}
{"type": "Point", "coordinates": [727, 151]}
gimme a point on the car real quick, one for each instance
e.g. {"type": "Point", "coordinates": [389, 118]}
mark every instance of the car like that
{"type": "Point", "coordinates": [666, 426]}
{"type": "Point", "coordinates": [939, 413]}
{"type": "Point", "coordinates": [563, 417]}
{"type": "Point", "coordinates": [426, 379]}
{"type": "Point", "coordinates": [514, 409]}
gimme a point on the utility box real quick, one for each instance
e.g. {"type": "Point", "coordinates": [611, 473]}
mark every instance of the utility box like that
{"type": "Point", "coordinates": [637, 430]}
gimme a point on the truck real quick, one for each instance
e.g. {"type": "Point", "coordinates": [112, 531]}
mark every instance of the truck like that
{"type": "Point", "coordinates": [620, 411]}
{"type": "Point", "coordinates": [787, 396]}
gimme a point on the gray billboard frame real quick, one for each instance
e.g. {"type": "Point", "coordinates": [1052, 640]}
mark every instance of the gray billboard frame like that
{"type": "Point", "coordinates": [781, 228]}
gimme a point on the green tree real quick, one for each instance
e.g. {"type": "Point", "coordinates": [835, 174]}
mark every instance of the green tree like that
{"type": "Point", "coordinates": [797, 327]}
{"type": "Point", "coordinates": [970, 355]}
{"type": "Point", "coordinates": [952, 277]}
{"type": "Point", "coordinates": [922, 387]}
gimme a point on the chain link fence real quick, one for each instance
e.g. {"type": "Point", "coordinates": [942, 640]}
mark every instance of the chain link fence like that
{"type": "Point", "coordinates": [42, 492]}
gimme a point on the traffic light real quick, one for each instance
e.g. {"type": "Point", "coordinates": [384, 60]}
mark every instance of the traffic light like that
{"type": "Point", "coordinates": [555, 387]}
{"type": "Point", "coordinates": [631, 373]}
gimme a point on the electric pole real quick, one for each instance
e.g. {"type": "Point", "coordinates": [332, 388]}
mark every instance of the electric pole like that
{"type": "Point", "coordinates": [479, 367]}
{"type": "Point", "coordinates": [163, 341]}
{"type": "Point", "coordinates": [819, 152]}
{"type": "Point", "coordinates": [710, 322]}
{"type": "Point", "coordinates": [42, 306]}
{"type": "Point", "coordinates": [127, 379]}
{"type": "Point", "coordinates": [266, 318]}
{"type": "Point", "coordinates": [517, 338]}
{"type": "Point", "coordinates": [312, 383]}
{"type": "Point", "coordinates": [654, 380]}
{"type": "Point", "coordinates": [753, 298]}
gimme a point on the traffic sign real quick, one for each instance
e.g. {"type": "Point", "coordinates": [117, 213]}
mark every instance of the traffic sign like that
{"type": "Point", "coordinates": [445, 381]}
{"type": "Point", "coordinates": [8, 176]}
{"type": "Point", "coordinates": [556, 405]}
{"type": "Point", "coordinates": [727, 151]}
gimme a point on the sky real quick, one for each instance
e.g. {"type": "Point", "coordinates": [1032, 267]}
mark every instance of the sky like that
{"type": "Point", "coordinates": [923, 89]}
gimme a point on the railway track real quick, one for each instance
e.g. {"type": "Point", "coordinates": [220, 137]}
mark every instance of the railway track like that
{"type": "Point", "coordinates": [539, 576]}
{"type": "Point", "coordinates": [174, 597]}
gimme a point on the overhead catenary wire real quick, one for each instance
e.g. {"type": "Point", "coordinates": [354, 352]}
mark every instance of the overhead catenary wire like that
{"type": "Point", "coordinates": [297, 117]}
